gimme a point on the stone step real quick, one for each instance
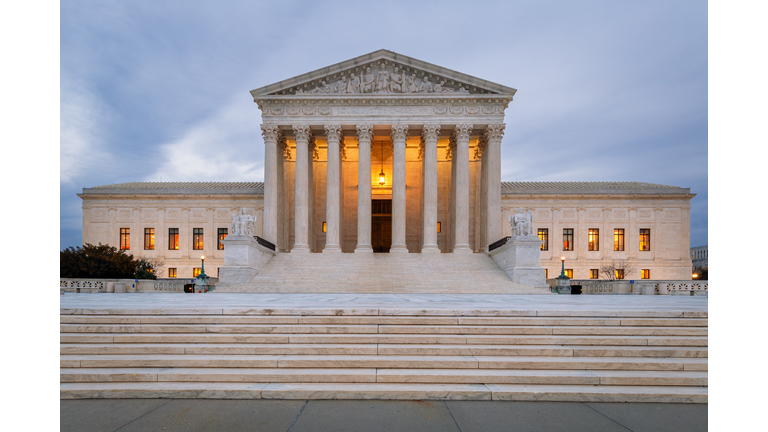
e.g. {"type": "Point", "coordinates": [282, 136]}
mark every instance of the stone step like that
{"type": "Point", "coordinates": [223, 328]}
{"type": "Point", "coordinates": [593, 363]}
{"type": "Point", "coordinates": [589, 340]}
{"type": "Point", "coordinates": [385, 391]}
{"type": "Point", "coordinates": [591, 322]}
{"type": "Point", "coordinates": [243, 375]}
{"type": "Point", "coordinates": [155, 361]}
{"type": "Point", "coordinates": [229, 319]}
{"type": "Point", "coordinates": [540, 350]}
{"type": "Point", "coordinates": [549, 377]}
{"type": "Point", "coordinates": [219, 349]}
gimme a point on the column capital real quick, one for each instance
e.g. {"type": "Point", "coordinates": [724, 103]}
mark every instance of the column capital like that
{"type": "Point", "coordinates": [332, 132]}
{"type": "Point", "coordinates": [463, 130]}
{"type": "Point", "coordinates": [270, 132]}
{"type": "Point", "coordinates": [494, 131]}
{"type": "Point", "coordinates": [302, 132]}
{"type": "Point", "coordinates": [399, 132]}
{"type": "Point", "coordinates": [431, 131]}
{"type": "Point", "coordinates": [364, 132]}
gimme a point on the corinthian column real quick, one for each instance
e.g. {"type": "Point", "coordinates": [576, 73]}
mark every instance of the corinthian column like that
{"type": "Point", "coordinates": [399, 133]}
{"type": "Point", "coordinates": [301, 234]}
{"type": "Point", "coordinates": [364, 133]}
{"type": "Point", "coordinates": [429, 218]}
{"type": "Point", "coordinates": [270, 133]}
{"type": "Point", "coordinates": [492, 156]}
{"type": "Point", "coordinates": [333, 196]}
{"type": "Point", "coordinates": [461, 226]}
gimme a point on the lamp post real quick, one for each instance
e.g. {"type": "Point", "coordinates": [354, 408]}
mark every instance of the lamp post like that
{"type": "Point", "coordinates": [563, 281]}
{"type": "Point", "coordinates": [202, 266]}
{"type": "Point", "coordinates": [562, 268]}
{"type": "Point", "coordinates": [202, 279]}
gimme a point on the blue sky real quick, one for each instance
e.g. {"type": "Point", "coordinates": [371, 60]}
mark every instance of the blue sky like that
{"type": "Point", "coordinates": [607, 90]}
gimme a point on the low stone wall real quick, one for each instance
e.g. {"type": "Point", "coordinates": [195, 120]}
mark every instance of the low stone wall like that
{"type": "Point", "coordinates": [82, 285]}
{"type": "Point", "coordinates": [643, 286]}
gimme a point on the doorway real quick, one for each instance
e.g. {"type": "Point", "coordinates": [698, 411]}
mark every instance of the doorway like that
{"type": "Point", "coordinates": [381, 225]}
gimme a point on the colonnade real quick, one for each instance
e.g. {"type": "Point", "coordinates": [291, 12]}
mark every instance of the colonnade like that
{"type": "Point", "coordinates": [489, 150]}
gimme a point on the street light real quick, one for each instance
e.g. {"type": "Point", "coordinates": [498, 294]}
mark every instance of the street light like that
{"type": "Point", "coordinates": [695, 275]}
{"type": "Point", "coordinates": [562, 269]}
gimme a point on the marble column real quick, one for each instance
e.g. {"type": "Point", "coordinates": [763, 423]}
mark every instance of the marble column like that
{"type": "Point", "coordinates": [429, 214]}
{"type": "Point", "coordinates": [399, 134]}
{"type": "Point", "coordinates": [301, 214]}
{"type": "Point", "coordinates": [270, 133]}
{"type": "Point", "coordinates": [283, 242]}
{"type": "Point", "coordinates": [311, 175]}
{"type": "Point", "coordinates": [492, 155]}
{"type": "Point", "coordinates": [451, 154]}
{"type": "Point", "coordinates": [364, 134]}
{"type": "Point", "coordinates": [461, 227]}
{"type": "Point", "coordinates": [333, 196]}
{"type": "Point", "coordinates": [481, 210]}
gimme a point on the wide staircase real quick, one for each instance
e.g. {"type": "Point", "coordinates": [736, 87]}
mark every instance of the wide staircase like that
{"type": "Point", "coordinates": [320, 354]}
{"type": "Point", "coordinates": [444, 273]}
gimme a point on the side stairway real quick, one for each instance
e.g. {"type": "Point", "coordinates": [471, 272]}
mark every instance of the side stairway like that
{"type": "Point", "coordinates": [444, 273]}
{"type": "Point", "coordinates": [626, 357]}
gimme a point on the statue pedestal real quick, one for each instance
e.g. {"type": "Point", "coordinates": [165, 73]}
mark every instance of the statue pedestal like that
{"type": "Point", "coordinates": [244, 258]}
{"type": "Point", "coordinates": [563, 285]}
{"type": "Point", "coordinates": [520, 258]}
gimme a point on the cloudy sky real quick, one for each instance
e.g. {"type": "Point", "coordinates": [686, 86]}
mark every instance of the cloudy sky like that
{"type": "Point", "coordinates": [607, 90]}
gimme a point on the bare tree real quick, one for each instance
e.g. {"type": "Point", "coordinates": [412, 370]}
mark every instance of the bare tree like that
{"type": "Point", "coordinates": [153, 264]}
{"type": "Point", "coordinates": [610, 271]}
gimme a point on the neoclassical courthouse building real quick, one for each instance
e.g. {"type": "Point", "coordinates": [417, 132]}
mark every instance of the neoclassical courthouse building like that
{"type": "Point", "coordinates": [386, 153]}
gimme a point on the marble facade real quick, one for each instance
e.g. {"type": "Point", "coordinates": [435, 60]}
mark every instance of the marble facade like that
{"type": "Point", "coordinates": [436, 135]}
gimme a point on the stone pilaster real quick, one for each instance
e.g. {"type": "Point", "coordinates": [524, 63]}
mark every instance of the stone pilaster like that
{"type": "Point", "coordinates": [301, 215]}
{"type": "Point", "coordinates": [429, 214]}
{"type": "Point", "coordinates": [364, 134]}
{"type": "Point", "coordinates": [492, 156]}
{"type": "Point", "coordinates": [270, 134]}
{"type": "Point", "coordinates": [333, 194]}
{"type": "Point", "coordinates": [461, 227]}
{"type": "Point", "coordinates": [399, 134]}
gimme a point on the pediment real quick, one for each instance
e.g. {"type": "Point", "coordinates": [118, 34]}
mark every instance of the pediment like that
{"type": "Point", "coordinates": [382, 73]}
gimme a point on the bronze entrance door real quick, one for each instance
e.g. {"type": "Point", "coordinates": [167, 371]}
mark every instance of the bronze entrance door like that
{"type": "Point", "coordinates": [381, 225]}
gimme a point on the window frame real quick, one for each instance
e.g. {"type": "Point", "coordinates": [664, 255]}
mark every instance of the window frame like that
{"type": "Point", "coordinates": [569, 273]}
{"type": "Point", "coordinates": [173, 239]}
{"type": "Point", "coordinates": [172, 272]}
{"type": "Point", "coordinates": [594, 273]}
{"type": "Point", "coordinates": [618, 239]}
{"type": "Point", "coordinates": [618, 274]}
{"type": "Point", "coordinates": [220, 245]}
{"type": "Point", "coordinates": [149, 239]}
{"type": "Point", "coordinates": [645, 239]}
{"type": "Point", "coordinates": [125, 239]}
{"type": "Point", "coordinates": [567, 243]}
{"type": "Point", "coordinates": [544, 236]}
{"type": "Point", "coordinates": [593, 237]}
{"type": "Point", "coordinates": [645, 273]}
{"type": "Point", "coordinates": [197, 239]}
{"type": "Point", "coordinates": [196, 271]}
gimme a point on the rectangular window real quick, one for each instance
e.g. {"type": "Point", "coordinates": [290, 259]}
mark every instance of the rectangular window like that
{"type": "Point", "coordinates": [173, 239]}
{"type": "Point", "coordinates": [546, 274]}
{"type": "Point", "coordinates": [149, 239]}
{"type": "Point", "coordinates": [125, 239]}
{"type": "Point", "coordinates": [593, 274]}
{"type": "Point", "coordinates": [618, 239]}
{"type": "Point", "coordinates": [645, 239]}
{"type": "Point", "coordinates": [645, 274]}
{"type": "Point", "coordinates": [569, 273]}
{"type": "Point", "coordinates": [197, 239]}
{"type": "Point", "coordinates": [439, 228]}
{"type": "Point", "coordinates": [594, 239]}
{"type": "Point", "coordinates": [171, 272]}
{"type": "Point", "coordinates": [222, 235]}
{"type": "Point", "coordinates": [195, 271]}
{"type": "Point", "coordinates": [567, 239]}
{"type": "Point", "coordinates": [544, 236]}
{"type": "Point", "coordinates": [619, 273]}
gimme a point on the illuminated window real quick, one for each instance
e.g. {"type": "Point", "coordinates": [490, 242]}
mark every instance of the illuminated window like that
{"type": "Point", "coordinates": [619, 273]}
{"type": "Point", "coordinates": [171, 272]}
{"type": "Point", "coordinates": [324, 226]}
{"type": "Point", "coordinates": [645, 274]}
{"type": "Point", "coordinates": [197, 239]}
{"type": "Point", "coordinates": [645, 239]}
{"type": "Point", "coordinates": [594, 239]}
{"type": "Point", "coordinates": [544, 236]}
{"type": "Point", "coordinates": [195, 271]}
{"type": "Point", "coordinates": [569, 273]}
{"type": "Point", "coordinates": [546, 274]}
{"type": "Point", "coordinates": [567, 239]}
{"type": "Point", "coordinates": [149, 239]}
{"type": "Point", "coordinates": [438, 227]}
{"type": "Point", "coordinates": [593, 274]}
{"type": "Point", "coordinates": [173, 239]}
{"type": "Point", "coordinates": [125, 238]}
{"type": "Point", "coordinates": [222, 235]}
{"type": "Point", "coordinates": [618, 239]}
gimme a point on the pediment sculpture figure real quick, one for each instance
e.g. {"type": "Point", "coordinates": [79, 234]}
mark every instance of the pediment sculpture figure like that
{"type": "Point", "coordinates": [367, 81]}
{"type": "Point", "coordinates": [396, 81]}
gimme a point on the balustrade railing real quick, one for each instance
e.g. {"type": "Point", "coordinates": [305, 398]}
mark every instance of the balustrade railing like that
{"type": "Point", "coordinates": [498, 243]}
{"type": "Point", "coordinates": [266, 243]}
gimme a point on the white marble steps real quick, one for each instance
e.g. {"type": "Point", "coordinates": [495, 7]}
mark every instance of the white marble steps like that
{"type": "Point", "coordinates": [410, 391]}
{"type": "Point", "coordinates": [431, 376]}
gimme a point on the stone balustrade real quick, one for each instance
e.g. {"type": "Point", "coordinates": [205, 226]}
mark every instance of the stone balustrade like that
{"type": "Point", "coordinates": [623, 287]}
{"type": "Point", "coordinates": [86, 285]}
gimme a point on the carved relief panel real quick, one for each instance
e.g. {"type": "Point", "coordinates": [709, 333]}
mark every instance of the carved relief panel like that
{"type": "Point", "coordinates": [124, 215]}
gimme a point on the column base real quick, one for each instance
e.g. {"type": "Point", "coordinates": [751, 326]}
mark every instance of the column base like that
{"type": "Point", "coordinates": [398, 249]}
{"type": "Point", "coordinates": [364, 249]}
{"type": "Point", "coordinates": [332, 249]}
{"type": "Point", "coordinates": [430, 249]}
{"type": "Point", "coordinates": [300, 249]}
{"type": "Point", "coordinates": [462, 249]}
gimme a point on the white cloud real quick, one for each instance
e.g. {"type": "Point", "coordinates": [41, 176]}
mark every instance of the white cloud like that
{"type": "Point", "coordinates": [227, 146]}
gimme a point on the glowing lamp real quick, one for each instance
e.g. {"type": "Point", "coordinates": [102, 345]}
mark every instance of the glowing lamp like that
{"type": "Point", "coordinates": [382, 178]}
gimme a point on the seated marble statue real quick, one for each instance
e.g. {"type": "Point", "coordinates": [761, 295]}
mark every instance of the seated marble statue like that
{"type": "Point", "coordinates": [522, 223]}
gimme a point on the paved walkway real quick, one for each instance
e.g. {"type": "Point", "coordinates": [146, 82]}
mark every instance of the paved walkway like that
{"type": "Point", "coordinates": [177, 415]}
